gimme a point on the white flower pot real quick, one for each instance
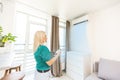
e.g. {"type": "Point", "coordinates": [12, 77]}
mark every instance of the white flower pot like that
{"type": "Point", "coordinates": [6, 59]}
{"type": "Point", "coordinates": [6, 56]}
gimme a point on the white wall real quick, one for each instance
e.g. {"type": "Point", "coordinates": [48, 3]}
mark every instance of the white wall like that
{"type": "Point", "coordinates": [7, 20]}
{"type": "Point", "coordinates": [7, 16]}
{"type": "Point", "coordinates": [104, 33]}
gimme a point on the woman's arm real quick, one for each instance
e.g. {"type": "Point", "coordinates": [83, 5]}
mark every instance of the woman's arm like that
{"type": "Point", "coordinates": [51, 61]}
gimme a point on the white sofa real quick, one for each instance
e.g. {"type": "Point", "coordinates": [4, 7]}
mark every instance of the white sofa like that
{"type": "Point", "coordinates": [105, 70]}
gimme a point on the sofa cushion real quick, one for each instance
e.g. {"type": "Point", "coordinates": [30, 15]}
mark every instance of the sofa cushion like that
{"type": "Point", "coordinates": [109, 69]}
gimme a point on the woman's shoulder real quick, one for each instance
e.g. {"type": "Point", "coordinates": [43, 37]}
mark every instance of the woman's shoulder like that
{"type": "Point", "coordinates": [43, 47]}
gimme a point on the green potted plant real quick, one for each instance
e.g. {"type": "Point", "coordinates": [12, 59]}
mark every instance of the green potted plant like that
{"type": "Point", "coordinates": [6, 38]}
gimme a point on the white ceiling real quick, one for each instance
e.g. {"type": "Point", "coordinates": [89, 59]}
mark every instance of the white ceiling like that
{"type": "Point", "coordinates": [69, 9]}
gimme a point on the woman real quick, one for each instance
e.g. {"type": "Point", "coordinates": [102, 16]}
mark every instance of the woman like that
{"type": "Point", "coordinates": [42, 56]}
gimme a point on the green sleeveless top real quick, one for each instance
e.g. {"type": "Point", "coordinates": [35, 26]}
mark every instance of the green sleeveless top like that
{"type": "Point", "coordinates": [42, 55]}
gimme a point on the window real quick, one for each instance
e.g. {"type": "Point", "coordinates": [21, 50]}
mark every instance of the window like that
{"type": "Point", "coordinates": [26, 26]}
{"type": "Point", "coordinates": [62, 39]}
{"type": "Point", "coordinates": [28, 21]}
{"type": "Point", "coordinates": [20, 30]}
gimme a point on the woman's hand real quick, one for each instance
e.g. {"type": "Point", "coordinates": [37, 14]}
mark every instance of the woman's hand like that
{"type": "Point", "coordinates": [50, 62]}
{"type": "Point", "coordinates": [58, 51]}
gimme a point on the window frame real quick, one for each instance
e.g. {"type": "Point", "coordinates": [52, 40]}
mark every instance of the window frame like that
{"type": "Point", "coordinates": [27, 53]}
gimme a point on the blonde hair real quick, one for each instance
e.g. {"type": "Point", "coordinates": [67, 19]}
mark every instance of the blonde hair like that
{"type": "Point", "coordinates": [39, 39]}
